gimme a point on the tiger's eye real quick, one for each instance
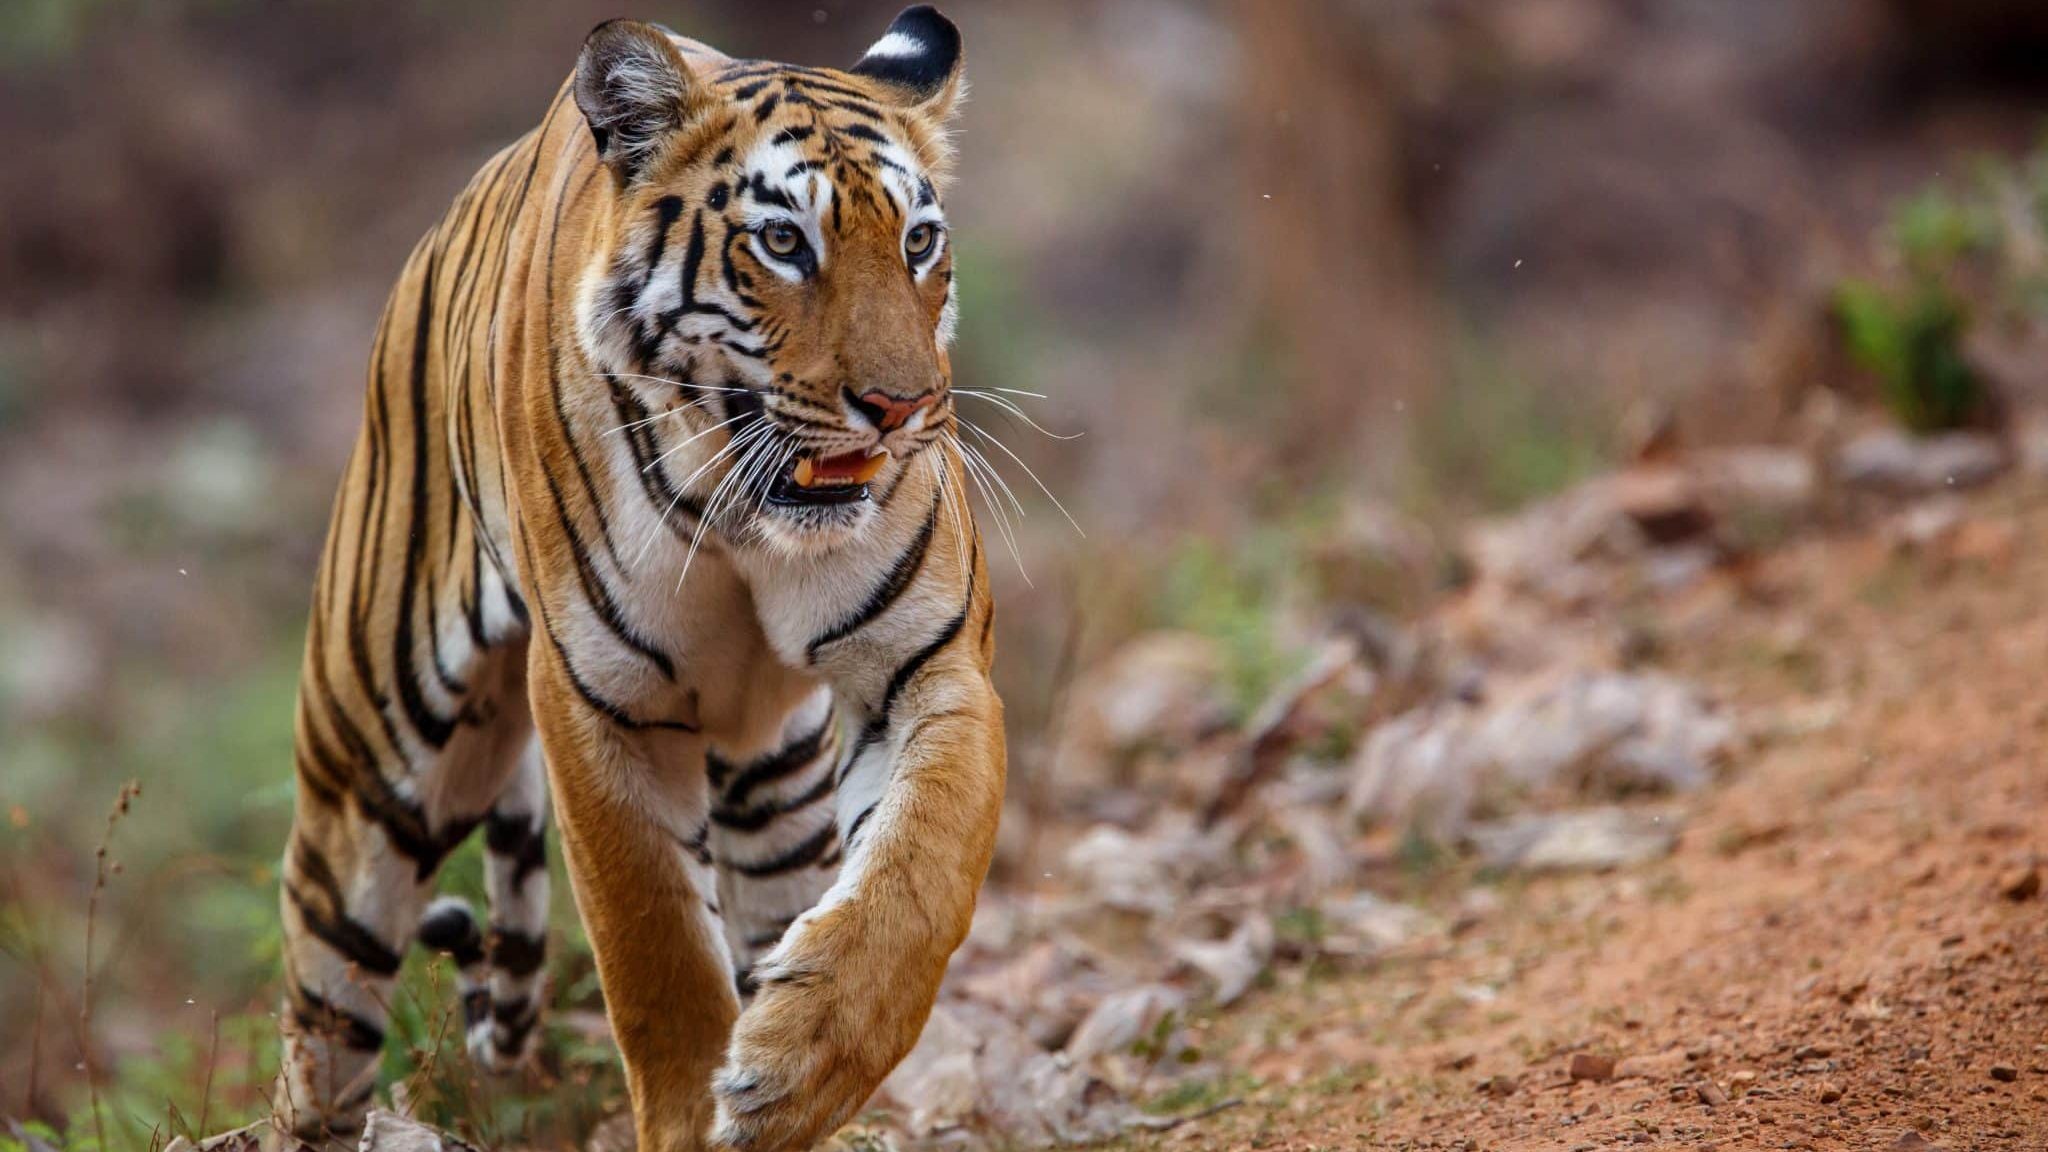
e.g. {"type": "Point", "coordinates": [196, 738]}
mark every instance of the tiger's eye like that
{"type": "Point", "coordinates": [920, 240]}
{"type": "Point", "coordinates": [782, 240]}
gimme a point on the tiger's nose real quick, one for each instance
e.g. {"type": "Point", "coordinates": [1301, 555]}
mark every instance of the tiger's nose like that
{"type": "Point", "coordinates": [888, 412]}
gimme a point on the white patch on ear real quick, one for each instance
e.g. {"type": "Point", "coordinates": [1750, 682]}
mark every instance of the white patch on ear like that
{"type": "Point", "coordinates": [896, 46]}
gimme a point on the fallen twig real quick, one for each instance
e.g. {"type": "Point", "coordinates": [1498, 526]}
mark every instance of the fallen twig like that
{"type": "Point", "coordinates": [1169, 1123]}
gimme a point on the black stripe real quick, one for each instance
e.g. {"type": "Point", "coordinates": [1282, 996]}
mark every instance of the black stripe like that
{"type": "Point", "coordinates": [508, 216]}
{"type": "Point", "coordinates": [853, 830]}
{"type": "Point", "coordinates": [770, 768]}
{"type": "Point", "coordinates": [667, 211]}
{"type": "Point", "coordinates": [510, 1012]}
{"type": "Point", "coordinates": [693, 264]}
{"type": "Point", "coordinates": [370, 541]}
{"type": "Point", "coordinates": [596, 703]}
{"type": "Point", "coordinates": [654, 477]}
{"type": "Point", "coordinates": [352, 940]}
{"type": "Point", "coordinates": [813, 83]}
{"type": "Point", "coordinates": [862, 110]}
{"type": "Point", "coordinates": [604, 527]}
{"type": "Point", "coordinates": [317, 1016]}
{"type": "Point", "coordinates": [699, 846]}
{"type": "Point", "coordinates": [597, 592]}
{"type": "Point", "coordinates": [403, 828]}
{"type": "Point", "coordinates": [432, 728]}
{"type": "Point", "coordinates": [879, 724]}
{"type": "Point", "coordinates": [473, 593]}
{"type": "Point", "coordinates": [762, 941]}
{"type": "Point", "coordinates": [915, 664]}
{"type": "Point", "coordinates": [510, 1036]}
{"type": "Point", "coordinates": [516, 953]}
{"type": "Point", "coordinates": [451, 929]}
{"type": "Point", "coordinates": [320, 780]}
{"type": "Point", "coordinates": [520, 838]}
{"type": "Point", "coordinates": [801, 856]}
{"type": "Point", "coordinates": [758, 188]}
{"type": "Point", "coordinates": [899, 578]}
{"type": "Point", "coordinates": [761, 815]}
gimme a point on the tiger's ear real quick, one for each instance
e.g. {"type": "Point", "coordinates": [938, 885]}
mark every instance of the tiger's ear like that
{"type": "Point", "coordinates": [920, 56]}
{"type": "Point", "coordinates": [634, 89]}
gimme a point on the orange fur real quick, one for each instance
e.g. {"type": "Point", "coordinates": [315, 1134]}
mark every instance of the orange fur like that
{"type": "Point", "coordinates": [596, 330]}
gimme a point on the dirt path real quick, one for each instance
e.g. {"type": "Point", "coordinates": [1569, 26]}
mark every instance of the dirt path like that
{"type": "Point", "coordinates": [1848, 951]}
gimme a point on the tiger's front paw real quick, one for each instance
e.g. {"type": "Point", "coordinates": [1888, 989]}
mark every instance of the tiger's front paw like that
{"type": "Point", "coordinates": [796, 1069]}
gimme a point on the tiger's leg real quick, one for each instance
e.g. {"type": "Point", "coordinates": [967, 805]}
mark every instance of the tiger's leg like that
{"type": "Point", "coordinates": [377, 810]}
{"type": "Point", "coordinates": [773, 832]}
{"type": "Point", "coordinates": [845, 993]}
{"type": "Point", "coordinates": [516, 879]}
{"type": "Point", "coordinates": [500, 970]}
{"type": "Point", "coordinates": [631, 800]}
{"type": "Point", "coordinates": [347, 903]}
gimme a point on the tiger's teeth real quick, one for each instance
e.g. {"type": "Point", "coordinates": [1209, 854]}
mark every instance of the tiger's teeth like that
{"type": "Point", "coordinates": [808, 474]}
{"type": "Point", "coordinates": [871, 468]}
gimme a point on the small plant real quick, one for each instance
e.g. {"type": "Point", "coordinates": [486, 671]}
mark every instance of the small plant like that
{"type": "Point", "coordinates": [1953, 253]}
{"type": "Point", "coordinates": [1912, 342]}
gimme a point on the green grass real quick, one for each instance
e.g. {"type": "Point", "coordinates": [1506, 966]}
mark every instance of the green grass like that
{"type": "Point", "coordinates": [187, 968]}
{"type": "Point", "coordinates": [1491, 440]}
{"type": "Point", "coordinates": [1196, 1094]}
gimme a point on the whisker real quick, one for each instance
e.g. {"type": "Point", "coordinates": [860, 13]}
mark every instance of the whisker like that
{"type": "Point", "coordinates": [757, 475]}
{"type": "Point", "coordinates": [665, 414]}
{"type": "Point", "coordinates": [1011, 407]}
{"type": "Point", "coordinates": [768, 482]}
{"type": "Point", "coordinates": [670, 381]}
{"type": "Point", "coordinates": [983, 433]}
{"type": "Point", "coordinates": [656, 462]}
{"type": "Point", "coordinates": [943, 476]}
{"type": "Point", "coordinates": [714, 507]}
{"type": "Point", "coordinates": [683, 489]}
{"type": "Point", "coordinates": [988, 468]}
{"type": "Point", "coordinates": [1000, 514]}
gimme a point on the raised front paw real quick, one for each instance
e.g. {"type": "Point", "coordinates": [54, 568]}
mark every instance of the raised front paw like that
{"type": "Point", "coordinates": [797, 1068]}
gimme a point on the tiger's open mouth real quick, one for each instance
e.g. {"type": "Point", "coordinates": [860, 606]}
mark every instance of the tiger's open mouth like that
{"type": "Point", "coordinates": [827, 480]}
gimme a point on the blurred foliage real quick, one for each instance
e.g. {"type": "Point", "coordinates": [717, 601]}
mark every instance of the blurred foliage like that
{"type": "Point", "coordinates": [1491, 440]}
{"type": "Point", "coordinates": [1912, 341]}
{"type": "Point", "coordinates": [32, 30]}
{"type": "Point", "coordinates": [1231, 595]}
{"type": "Point", "coordinates": [1909, 334]}
{"type": "Point", "coordinates": [1952, 253]}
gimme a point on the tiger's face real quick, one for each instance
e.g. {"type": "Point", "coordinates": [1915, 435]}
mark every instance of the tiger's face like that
{"type": "Point", "coordinates": [777, 265]}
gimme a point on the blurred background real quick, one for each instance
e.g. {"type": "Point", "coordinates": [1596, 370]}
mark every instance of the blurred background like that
{"type": "Point", "coordinates": [1320, 284]}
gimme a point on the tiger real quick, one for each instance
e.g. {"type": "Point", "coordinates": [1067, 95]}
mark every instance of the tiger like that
{"type": "Point", "coordinates": [656, 528]}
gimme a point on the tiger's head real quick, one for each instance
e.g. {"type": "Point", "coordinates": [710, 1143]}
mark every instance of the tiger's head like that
{"type": "Point", "coordinates": [772, 254]}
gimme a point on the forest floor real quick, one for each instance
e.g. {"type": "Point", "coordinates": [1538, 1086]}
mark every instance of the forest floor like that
{"type": "Point", "coordinates": [1848, 950]}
